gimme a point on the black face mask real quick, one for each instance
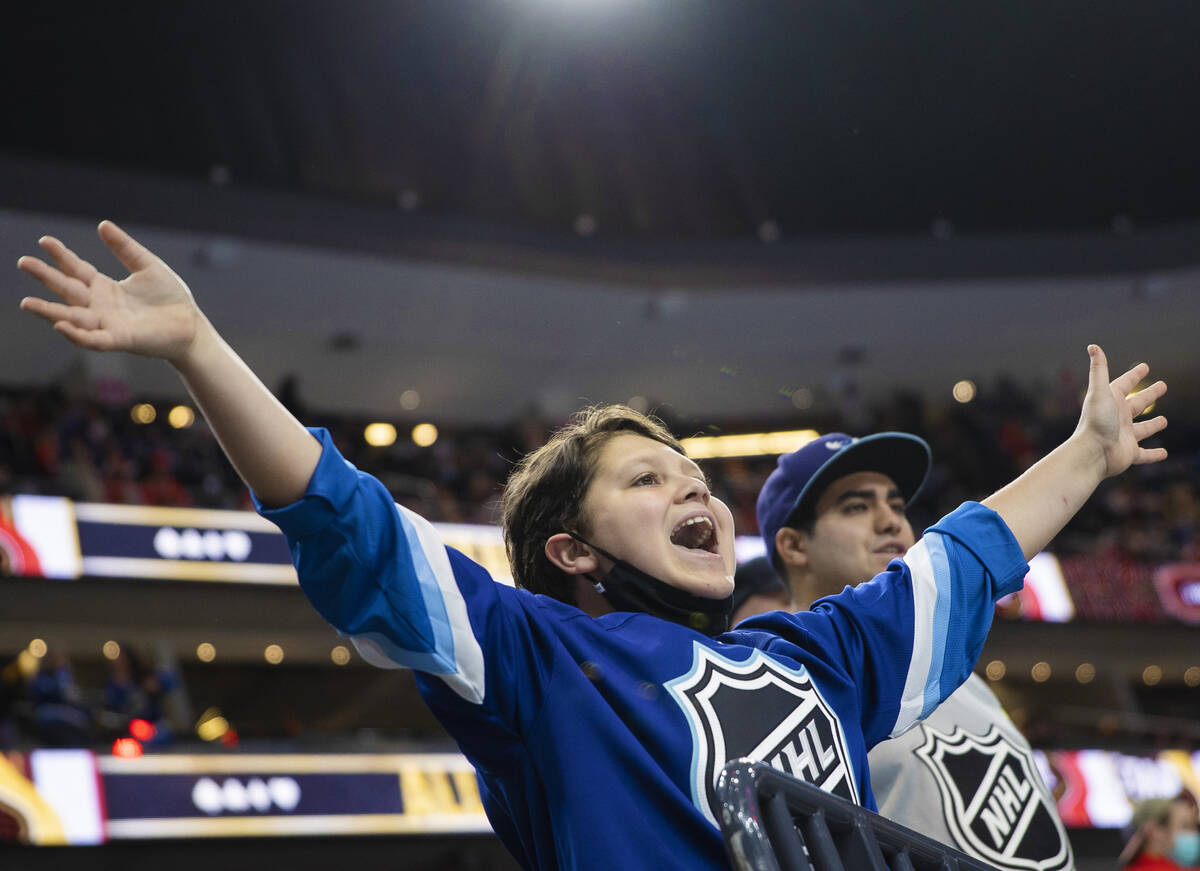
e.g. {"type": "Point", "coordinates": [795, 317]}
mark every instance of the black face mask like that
{"type": "Point", "coordinates": [628, 588]}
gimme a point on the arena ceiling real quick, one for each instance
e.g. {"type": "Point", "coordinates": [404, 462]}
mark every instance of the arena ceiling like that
{"type": "Point", "coordinates": [709, 204]}
{"type": "Point", "coordinates": [671, 120]}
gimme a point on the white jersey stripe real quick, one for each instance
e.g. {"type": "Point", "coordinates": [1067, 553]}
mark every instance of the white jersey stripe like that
{"type": "Point", "coordinates": [940, 564]}
{"type": "Point", "coordinates": [924, 587]}
{"type": "Point", "coordinates": [462, 648]}
{"type": "Point", "coordinates": [456, 656]}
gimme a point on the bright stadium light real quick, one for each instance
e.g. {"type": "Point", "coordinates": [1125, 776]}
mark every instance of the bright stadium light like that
{"type": "Point", "coordinates": [424, 434]}
{"type": "Point", "coordinates": [181, 417]}
{"type": "Point", "coordinates": [143, 413]}
{"type": "Point", "coordinates": [750, 444]}
{"type": "Point", "coordinates": [379, 435]}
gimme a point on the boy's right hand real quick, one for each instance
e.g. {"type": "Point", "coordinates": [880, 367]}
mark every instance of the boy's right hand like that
{"type": "Point", "coordinates": [151, 312]}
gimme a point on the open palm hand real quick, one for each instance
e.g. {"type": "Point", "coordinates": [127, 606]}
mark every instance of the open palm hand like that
{"type": "Point", "coordinates": [150, 312]}
{"type": "Point", "coordinates": [1109, 412]}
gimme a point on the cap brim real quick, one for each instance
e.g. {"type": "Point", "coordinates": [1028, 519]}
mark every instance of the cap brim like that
{"type": "Point", "coordinates": [904, 458]}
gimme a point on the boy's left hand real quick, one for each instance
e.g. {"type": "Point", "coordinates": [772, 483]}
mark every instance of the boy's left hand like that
{"type": "Point", "coordinates": [1107, 420]}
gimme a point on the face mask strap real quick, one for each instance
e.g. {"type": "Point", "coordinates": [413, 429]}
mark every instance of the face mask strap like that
{"type": "Point", "coordinates": [631, 589]}
{"type": "Point", "coordinates": [596, 584]}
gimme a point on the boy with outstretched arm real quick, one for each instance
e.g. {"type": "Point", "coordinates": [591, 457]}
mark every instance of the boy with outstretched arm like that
{"type": "Point", "coordinates": [600, 698]}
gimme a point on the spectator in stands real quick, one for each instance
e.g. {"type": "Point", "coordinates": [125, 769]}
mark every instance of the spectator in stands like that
{"type": "Point", "coordinates": [60, 716]}
{"type": "Point", "coordinates": [1165, 835]}
{"type": "Point", "coordinates": [833, 516]}
{"type": "Point", "coordinates": [135, 692]}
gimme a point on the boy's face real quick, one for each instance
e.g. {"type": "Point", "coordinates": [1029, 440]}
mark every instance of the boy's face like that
{"type": "Point", "coordinates": [860, 527]}
{"type": "Point", "coordinates": [650, 506]}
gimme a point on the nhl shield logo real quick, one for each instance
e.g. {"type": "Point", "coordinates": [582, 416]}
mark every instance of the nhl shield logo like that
{"type": "Point", "coordinates": [993, 801]}
{"type": "Point", "coordinates": [763, 710]}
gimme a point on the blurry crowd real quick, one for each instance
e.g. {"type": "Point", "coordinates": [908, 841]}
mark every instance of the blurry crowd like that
{"type": "Point", "coordinates": [43, 702]}
{"type": "Point", "coordinates": [94, 451]}
{"type": "Point", "coordinates": [56, 442]}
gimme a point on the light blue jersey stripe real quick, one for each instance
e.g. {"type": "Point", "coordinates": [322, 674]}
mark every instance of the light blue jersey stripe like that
{"type": "Point", "coordinates": [456, 656]}
{"type": "Point", "coordinates": [431, 595]}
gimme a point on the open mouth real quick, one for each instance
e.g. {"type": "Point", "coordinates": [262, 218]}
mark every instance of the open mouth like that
{"type": "Point", "coordinates": [696, 533]}
{"type": "Point", "coordinates": [891, 550]}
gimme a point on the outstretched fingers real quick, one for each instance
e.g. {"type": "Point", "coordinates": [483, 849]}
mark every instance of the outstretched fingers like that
{"type": "Point", "coordinates": [1143, 399]}
{"type": "Point", "coordinates": [56, 313]}
{"type": "Point", "coordinates": [92, 339]}
{"type": "Point", "coordinates": [80, 325]}
{"type": "Point", "coordinates": [71, 289]}
{"type": "Point", "coordinates": [1125, 383]}
{"type": "Point", "coordinates": [1098, 368]}
{"type": "Point", "coordinates": [67, 260]}
{"type": "Point", "coordinates": [132, 254]}
{"type": "Point", "coordinates": [1149, 455]}
{"type": "Point", "coordinates": [1143, 429]}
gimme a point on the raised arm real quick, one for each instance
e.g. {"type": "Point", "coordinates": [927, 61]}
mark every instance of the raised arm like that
{"type": "Point", "coordinates": [151, 312]}
{"type": "Point", "coordinates": [1037, 505]}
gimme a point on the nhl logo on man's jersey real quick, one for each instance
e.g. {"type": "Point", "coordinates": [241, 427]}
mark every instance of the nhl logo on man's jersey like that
{"type": "Point", "coordinates": [992, 800]}
{"type": "Point", "coordinates": [763, 710]}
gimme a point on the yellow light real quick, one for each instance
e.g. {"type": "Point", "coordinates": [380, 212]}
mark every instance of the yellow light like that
{"type": "Point", "coordinates": [111, 650]}
{"type": "Point", "coordinates": [205, 652]}
{"type": "Point", "coordinates": [748, 444]}
{"type": "Point", "coordinates": [1191, 677]}
{"type": "Point", "coordinates": [424, 434]}
{"type": "Point", "coordinates": [964, 391]}
{"type": "Point", "coordinates": [181, 417]}
{"type": "Point", "coordinates": [37, 648]}
{"type": "Point", "coordinates": [211, 725]}
{"type": "Point", "coordinates": [379, 435]}
{"type": "Point", "coordinates": [1085, 673]}
{"type": "Point", "coordinates": [143, 413]}
{"type": "Point", "coordinates": [340, 655]}
{"type": "Point", "coordinates": [273, 654]}
{"type": "Point", "coordinates": [995, 669]}
{"type": "Point", "coordinates": [1040, 672]}
{"type": "Point", "coordinates": [409, 400]}
{"type": "Point", "coordinates": [1151, 675]}
{"type": "Point", "coordinates": [27, 664]}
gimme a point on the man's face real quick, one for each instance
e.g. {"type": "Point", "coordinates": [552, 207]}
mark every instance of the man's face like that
{"type": "Point", "coordinates": [860, 527]}
{"type": "Point", "coordinates": [650, 506]}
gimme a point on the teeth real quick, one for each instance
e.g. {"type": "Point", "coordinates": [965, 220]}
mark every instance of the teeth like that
{"type": "Point", "coordinates": [692, 521]}
{"type": "Point", "coordinates": [703, 538]}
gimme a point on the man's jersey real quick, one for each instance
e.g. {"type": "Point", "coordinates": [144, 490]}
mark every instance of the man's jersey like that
{"type": "Point", "coordinates": [597, 741]}
{"type": "Point", "coordinates": [967, 777]}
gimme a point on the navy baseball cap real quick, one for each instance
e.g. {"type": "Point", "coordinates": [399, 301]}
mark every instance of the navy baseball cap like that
{"type": "Point", "coordinates": [801, 477]}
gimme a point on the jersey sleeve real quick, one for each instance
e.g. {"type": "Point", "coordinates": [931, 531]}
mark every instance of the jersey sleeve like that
{"type": "Point", "coordinates": [912, 635]}
{"type": "Point", "coordinates": [381, 575]}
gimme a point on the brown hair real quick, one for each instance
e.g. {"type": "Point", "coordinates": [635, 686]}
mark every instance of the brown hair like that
{"type": "Point", "coordinates": [544, 494]}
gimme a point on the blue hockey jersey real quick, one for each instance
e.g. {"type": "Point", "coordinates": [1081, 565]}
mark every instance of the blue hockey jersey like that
{"type": "Point", "coordinates": [597, 741]}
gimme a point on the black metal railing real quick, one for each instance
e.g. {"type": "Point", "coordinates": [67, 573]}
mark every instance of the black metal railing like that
{"type": "Point", "coordinates": [774, 822]}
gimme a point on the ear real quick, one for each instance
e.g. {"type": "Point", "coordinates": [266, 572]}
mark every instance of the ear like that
{"type": "Point", "coordinates": [572, 556]}
{"type": "Point", "coordinates": [792, 547]}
